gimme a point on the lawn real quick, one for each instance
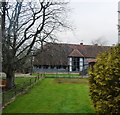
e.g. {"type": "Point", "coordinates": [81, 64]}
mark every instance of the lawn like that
{"type": "Point", "coordinates": [49, 75]}
{"type": "Point", "coordinates": [21, 84]}
{"type": "Point", "coordinates": [54, 95]}
{"type": "Point", "coordinates": [19, 81]}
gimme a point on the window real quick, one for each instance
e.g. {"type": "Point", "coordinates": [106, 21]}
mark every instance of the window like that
{"type": "Point", "coordinates": [75, 64]}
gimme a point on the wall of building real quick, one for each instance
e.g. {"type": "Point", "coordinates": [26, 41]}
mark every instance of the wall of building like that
{"type": "Point", "coordinates": [49, 69]}
{"type": "Point", "coordinates": [83, 66]}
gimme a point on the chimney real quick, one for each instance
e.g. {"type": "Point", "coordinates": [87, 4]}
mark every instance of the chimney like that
{"type": "Point", "coordinates": [81, 43]}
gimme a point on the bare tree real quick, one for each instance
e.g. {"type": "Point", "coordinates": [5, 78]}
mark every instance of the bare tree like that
{"type": "Point", "coordinates": [2, 28]}
{"type": "Point", "coordinates": [0, 38]}
{"type": "Point", "coordinates": [99, 41]}
{"type": "Point", "coordinates": [28, 23]}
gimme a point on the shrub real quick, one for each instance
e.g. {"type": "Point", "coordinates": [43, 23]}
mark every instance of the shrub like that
{"type": "Point", "coordinates": [105, 82]}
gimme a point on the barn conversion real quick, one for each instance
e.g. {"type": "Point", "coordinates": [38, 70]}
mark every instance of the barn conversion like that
{"type": "Point", "coordinates": [66, 57]}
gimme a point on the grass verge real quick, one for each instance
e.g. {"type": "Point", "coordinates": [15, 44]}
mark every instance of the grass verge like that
{"type": "Point", "coordinates": [65, 75]}
{"type": "Point", "coordinates": [51, 96]}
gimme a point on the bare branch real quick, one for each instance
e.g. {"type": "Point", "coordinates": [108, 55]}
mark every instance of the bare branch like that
{"type": "Point", "coordinates": [28, 23]}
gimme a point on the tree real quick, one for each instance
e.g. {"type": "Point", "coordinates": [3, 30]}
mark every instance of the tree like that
{"type": "Point", "coordinates": [2, 28]}
{"type": "Point", "coordinates": [28, 23]}
{"type": "Point", "coordinates": [99, 41]}
{"type": "Point", "coordinates": [105, 82]}
{"type": "Point", "coordinates": [0, 39]}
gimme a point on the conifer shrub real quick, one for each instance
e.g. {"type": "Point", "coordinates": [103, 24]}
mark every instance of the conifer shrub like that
{"type": "Point", "coordinates": [105, 82]}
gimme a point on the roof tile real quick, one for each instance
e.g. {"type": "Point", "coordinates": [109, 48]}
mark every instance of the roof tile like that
{"type": "Point", "coordinates": [76, 53]}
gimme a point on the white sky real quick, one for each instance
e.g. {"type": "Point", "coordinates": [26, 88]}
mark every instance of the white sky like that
{"type": "Point", "coordinates": [92, 19]}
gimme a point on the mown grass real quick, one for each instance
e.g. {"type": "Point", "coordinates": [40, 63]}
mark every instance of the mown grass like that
{"type": "Point", "coordinates": [19, 81]}
{"type": "Point", "coordinates": [57, 74]}
{"type": "Point", "coordinates": [21, 84]}
{"type": "Point", "coordinates": [52, 96]}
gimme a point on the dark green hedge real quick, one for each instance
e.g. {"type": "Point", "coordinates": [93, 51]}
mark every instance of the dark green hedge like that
{"type": "Point", "coordinates": [105, 82]}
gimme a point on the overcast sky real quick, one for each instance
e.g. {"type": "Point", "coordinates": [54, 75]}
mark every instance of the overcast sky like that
{"type": "Point", "coordinates": [92, 19]}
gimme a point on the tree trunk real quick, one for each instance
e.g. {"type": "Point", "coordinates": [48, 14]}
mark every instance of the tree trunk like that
{"type": "Point", "coordinates": [10, 79]}
{"type": "Point", "coordinates": [3, 18]}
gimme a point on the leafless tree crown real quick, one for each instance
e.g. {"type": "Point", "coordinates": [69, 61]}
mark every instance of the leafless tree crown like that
{"type": "Point", "coordinates": [30, 23]}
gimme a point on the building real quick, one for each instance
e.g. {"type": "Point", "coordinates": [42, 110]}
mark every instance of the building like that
{"type": "Point", "coordinates": [66, 57]}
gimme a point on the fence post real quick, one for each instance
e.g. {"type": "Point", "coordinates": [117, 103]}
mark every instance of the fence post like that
{"type": "Point", "coordinates": [38, 76]}
{"type": "Point", "coordinates": [23, 87]}
{"type": "Point", "coordinates": [69, 74]}
{"type": "Point", "coordinates": [35, 79]}
{"type": "Point", "coordinates": [43, 74]}
{"type": "Point", "coordinates": [3, 98]}
{"type": "Point", "coordinates": [30, 81]}
{"type": "Point", "coordinates": [15, 90]}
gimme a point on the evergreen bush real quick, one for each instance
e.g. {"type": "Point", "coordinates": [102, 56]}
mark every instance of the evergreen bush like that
{"type": "Point", "coordinates": [105, 82]}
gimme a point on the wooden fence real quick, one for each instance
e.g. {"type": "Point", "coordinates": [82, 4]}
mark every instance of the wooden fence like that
{"type": "Point", "coordinates": [9, 95]}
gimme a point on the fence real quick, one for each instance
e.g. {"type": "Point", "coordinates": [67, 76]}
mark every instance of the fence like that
{"type": "Point", "coordinates": [9, 95]}
{"type": "Point", "coordinates": [62, 75]}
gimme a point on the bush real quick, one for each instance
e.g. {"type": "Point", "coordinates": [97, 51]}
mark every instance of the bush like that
{"type": "Point", "coordinates": [105, 82]}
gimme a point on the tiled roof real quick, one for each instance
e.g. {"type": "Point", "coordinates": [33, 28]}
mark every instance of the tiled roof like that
{"type": "Point", "coordinates": [75, 53]}
{"type": "Point", "coordinates": [91, 60]}
{"type": "Point", "coordinates": [57, 54]}
{"type": "Point", "coordinates": [89, 50]}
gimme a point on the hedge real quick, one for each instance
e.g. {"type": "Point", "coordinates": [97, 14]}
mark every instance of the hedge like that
{"type": "Point", "coordinates": [105, 82]}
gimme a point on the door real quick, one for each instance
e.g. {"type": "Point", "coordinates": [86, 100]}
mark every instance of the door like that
{"type": "Point", "coordinates": [75, 64]}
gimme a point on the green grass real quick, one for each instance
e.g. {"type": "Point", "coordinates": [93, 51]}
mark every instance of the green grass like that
{"type": "Point", "coordinates": [19, 81]}
{"type": "Point", "coordinates": [58, 74]}
{"type": "Point", "coordinates": [54, 96]}
{"type": "Point", "coordinates": [21, 84]}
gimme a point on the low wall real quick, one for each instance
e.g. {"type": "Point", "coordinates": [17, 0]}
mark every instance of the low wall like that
{"type": "Point", "coordinates": [49, 70]}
